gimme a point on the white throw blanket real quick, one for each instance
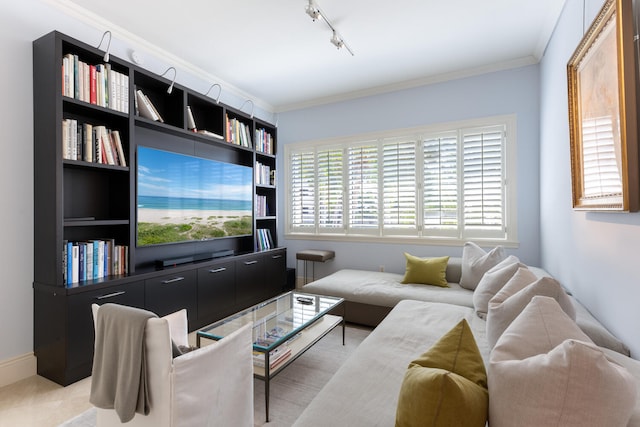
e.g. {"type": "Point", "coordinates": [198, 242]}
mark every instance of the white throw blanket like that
{"type": "Point", "coordinates": [118, 376]}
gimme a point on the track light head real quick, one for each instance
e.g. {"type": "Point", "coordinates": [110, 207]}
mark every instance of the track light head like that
{"type": "Point", "coordinates": [336, 40]}
{"type": "Point", "coordinates": [313, 11]}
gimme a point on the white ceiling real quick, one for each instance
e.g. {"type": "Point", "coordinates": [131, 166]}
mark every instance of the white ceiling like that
{"type": "Point", "coordinates": [274, 52]}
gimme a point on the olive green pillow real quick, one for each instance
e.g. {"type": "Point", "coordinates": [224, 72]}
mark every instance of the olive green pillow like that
{"type": "Point", "coordinates": [427, 271]}
{"type": "Point", "coordinates": [447, 385]}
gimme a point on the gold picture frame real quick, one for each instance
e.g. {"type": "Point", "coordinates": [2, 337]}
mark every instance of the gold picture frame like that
{"type": "Point", "coordinates": [602, 113]}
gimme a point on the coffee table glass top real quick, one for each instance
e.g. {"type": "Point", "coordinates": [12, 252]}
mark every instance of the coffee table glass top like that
{"type": "Point", "coordinates": [276, 320]}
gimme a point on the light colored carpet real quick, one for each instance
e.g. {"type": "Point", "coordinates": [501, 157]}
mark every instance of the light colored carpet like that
{"type": "Point", "coordinates": [294, 387]}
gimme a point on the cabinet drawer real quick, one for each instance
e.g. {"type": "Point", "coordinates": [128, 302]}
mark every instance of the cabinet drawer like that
{"type": "Point", "coordinates": [81, 319]}
{"type": "Point", "coordinates": [172, 292]}
{"type": "Point", "coordinates": [216, 291]}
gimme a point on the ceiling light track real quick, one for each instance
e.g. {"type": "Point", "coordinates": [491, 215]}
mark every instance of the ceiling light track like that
{"type": "Point", "coordinates": [313, 10]}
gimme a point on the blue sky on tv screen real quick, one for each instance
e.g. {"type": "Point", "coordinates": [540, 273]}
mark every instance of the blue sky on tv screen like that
{"type": "Point", "coordinates": [165, 174]}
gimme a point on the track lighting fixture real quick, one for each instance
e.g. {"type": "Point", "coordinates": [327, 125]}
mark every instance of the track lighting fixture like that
{"type": "Point", "coordinates": [313, 10]}
{"type": "Point", "coordinates": [245, 103]}
{"type": "Point", "coordinates": [219, 91]}
{"type": "Point", "coordinates": [175, 73]}
{"type": "Point", "coordinates": [106, 53]}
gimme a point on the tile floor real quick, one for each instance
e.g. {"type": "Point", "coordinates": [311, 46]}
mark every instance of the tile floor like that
{"type": "Point", "coordinates": [38, 402]}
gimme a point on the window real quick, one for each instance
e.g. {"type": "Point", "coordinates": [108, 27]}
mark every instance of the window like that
{"type": "Point", "coordinates": [446, 183]}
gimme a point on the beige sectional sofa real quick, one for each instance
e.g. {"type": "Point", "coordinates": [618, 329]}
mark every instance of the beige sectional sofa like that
{"type": "Point", "coordinates": [410, 318]}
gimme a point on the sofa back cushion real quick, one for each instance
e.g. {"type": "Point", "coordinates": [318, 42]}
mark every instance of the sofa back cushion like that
{"type": "Point", "coordinates": [507, 304]}
{"type": "Point", "coordinates": [492, 281]}
{"type": "Point", "coordinates": [545, 371]}
{"type": "Point", "coordinates": [476, 262]}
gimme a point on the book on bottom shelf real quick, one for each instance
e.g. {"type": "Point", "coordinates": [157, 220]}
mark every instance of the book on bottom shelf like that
{"type": "Point", "coordinates": [276, 357]}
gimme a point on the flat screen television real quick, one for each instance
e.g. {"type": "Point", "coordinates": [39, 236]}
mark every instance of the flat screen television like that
{"type": "Point", "coordinates": [182, 198]}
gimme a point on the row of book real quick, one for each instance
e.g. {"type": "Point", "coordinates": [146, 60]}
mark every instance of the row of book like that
{"type": "Point", "coordinates": [263, 239]}
{"type": "Point", "coordinates": [238, 133]}
{"type": "Point", "coordinates": [93, 260]}
{"type": "Point", "coordinates": [191, 125]}
{"type": "Point", "coordinates": [262, 209]}
{"type": "Point", "coordinates": [264, 141]}
{"type": "Point", "coordinates": [264, 174]}
{"type": "Point", "coordinates": [95, 84]}
{"type": "Point", "coordinates": [92, 143]}
{"type": "Point", "coordinates": [145, 108]}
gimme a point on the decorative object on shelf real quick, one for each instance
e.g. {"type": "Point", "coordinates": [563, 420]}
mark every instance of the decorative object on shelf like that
{"type": "Point", "coordinates": [603, 114]}
{"type": "Point", "coordinates": [175, 73]}
{"type": "Point", "coordinates": [315, 13]}
{"type": "Point", "coordinates": [245, 103]}
{"type": "Point", "coordinates": [106, 53]}
{"type": "Point", "coordinates": [219, 92]}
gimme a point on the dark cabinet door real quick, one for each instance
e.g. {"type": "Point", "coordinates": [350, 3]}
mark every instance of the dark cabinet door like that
{"type": "Point", "coordinates": [216, 292]}
{"type": "Point", "coordinates": [276, 272]}
{"type": "Point", "coordinates": [250, 280]}
{"type": "Point", "coordinates": [81, 332]}
{"type": "Point", "coordinates": [172, 292]}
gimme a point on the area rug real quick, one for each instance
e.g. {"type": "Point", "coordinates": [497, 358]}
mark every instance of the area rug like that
{"type": "Point", "coordinates": [294, 387]}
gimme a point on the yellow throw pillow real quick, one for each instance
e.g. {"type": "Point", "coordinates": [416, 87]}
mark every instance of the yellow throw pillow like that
{"type": "Point", "coordinates": [447, 385]}
{"type": "Point", "coordinates": [427, 271]}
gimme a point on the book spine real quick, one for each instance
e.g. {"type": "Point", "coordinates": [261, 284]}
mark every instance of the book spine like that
{"type": "Point", "coordinates": [75, 263]}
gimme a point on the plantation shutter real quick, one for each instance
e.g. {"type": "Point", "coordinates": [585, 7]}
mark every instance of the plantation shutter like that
{"type": "Point", "coordinates": [601, 167]}
{"type": "Point", "coordinates": [303, 199]}
{"type": "Point", "coordinates": [440, 184]}
{"type": "Point", "coordinates": [330, 188]}
{"type": "Point", "coordinates": [363, 187]}
{"type": "Point", "coordinates": [399, 187]}
{"type": "Point", "coordinates": [483, 181]}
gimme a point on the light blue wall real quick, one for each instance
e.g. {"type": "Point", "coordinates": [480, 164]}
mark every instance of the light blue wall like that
{"type": "Point", "coordinates": [593, 254]}
{"type": "Point", "coordinates": [514, 91]}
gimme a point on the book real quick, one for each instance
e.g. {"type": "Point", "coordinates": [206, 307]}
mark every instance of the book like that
{"type": "Point", "coordinates": [106, 147]}
{"type": "Point", "coordinates": [145, 108]}
{"type": "Point", "coordinates": [209, 133]}
{"type": "Point", "coordinates": [276, 357]}
{"type": "Point", "coordinates": [120, 150]}
{"type": "Point", "coordinates": [88, 142]}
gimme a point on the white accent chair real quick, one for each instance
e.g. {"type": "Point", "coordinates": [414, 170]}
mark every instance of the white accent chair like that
{"type": "Point", "coordinates": [209, 386]}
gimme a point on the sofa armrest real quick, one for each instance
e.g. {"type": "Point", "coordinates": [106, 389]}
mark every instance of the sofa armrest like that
{"type": "Point", "coordinates": [178, 328]}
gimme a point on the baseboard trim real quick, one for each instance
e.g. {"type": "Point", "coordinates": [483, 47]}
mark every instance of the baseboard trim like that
{"type": "Point", "coordinates": [17, 368]}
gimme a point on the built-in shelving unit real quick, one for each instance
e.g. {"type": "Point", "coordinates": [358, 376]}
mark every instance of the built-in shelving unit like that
{"type": "Point", "coordinates": [91, 197]}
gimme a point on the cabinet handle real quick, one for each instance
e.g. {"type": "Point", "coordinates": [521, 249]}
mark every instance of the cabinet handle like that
{"type": "Point", "coordinates": [175, 279]}
{"type": "Point", "coordinates": [115, 294]}
{"type": "Point", "coordinates": [276, 256]}
{"type": "Point", "coordinates": [218, 270]}
{"type": "Point", "coordinates": [250, 262]}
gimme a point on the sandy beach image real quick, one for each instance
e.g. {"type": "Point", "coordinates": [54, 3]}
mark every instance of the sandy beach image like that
{"type": "Point", "coordinates": [156, 226]}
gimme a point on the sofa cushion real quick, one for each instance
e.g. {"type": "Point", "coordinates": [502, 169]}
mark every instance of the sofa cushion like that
{"type": "Point", "coordinates": [426, 271]}
{"type": "Point", "coordinates": [446, 381]}
{"type": "Point", "coordinates": [507, 304]}
{"type": "Point", "coordinates": [492, 281]}
{"type": "Point", "coordinates": [545, 371]}
{"type": "Point", "coordinates": [476, 262]}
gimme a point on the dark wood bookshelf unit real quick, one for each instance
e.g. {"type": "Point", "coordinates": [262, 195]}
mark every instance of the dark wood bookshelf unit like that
{"type": "Point", "coordinates": [82, 196]}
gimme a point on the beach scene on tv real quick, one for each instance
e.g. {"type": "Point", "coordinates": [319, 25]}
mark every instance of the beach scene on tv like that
{"type": "Point", "coordinates": [184, 198]}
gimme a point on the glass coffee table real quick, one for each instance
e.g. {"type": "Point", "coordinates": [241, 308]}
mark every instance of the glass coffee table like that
{"type": "Point", "coordinates": [284, 327]}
